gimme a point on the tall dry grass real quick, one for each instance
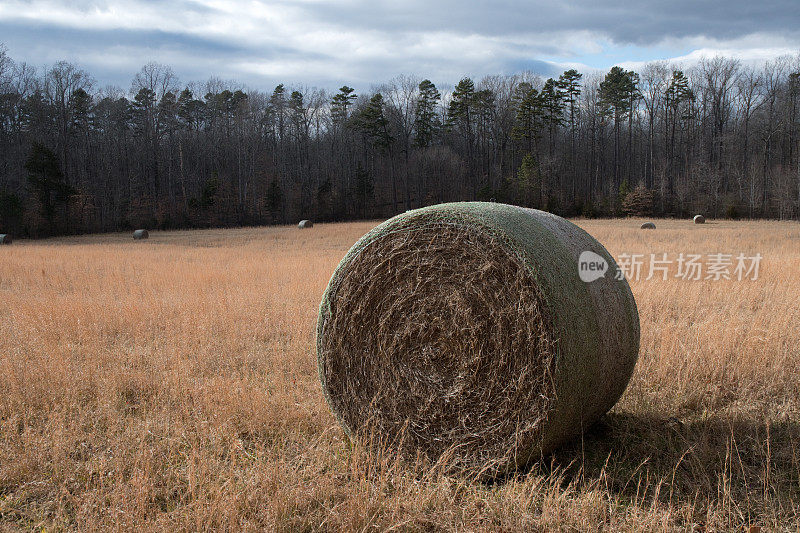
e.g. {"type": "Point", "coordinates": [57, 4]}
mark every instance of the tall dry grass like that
{"type": "Point", "coordinates": [171, 384]}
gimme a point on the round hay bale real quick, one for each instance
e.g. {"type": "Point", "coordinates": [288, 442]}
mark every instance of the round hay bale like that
{"type": "Point", "coordinates": [647, 225]}
{"type": "Point", "coordinates": [305, 224]}
{"type": "Point", "coordinates": [699, 219]}
{"type": "Point", "coordinates": [141, 234]}
{"type": "Point", "coordinates": [5, 238]}
{"type": "Point", "coordinates": [463, 332]}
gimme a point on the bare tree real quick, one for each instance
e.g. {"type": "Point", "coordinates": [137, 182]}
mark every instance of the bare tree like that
{"type": "Point", "coordinates": [654, 80]}
{"type": "Point", "coordinates": [720, 137]}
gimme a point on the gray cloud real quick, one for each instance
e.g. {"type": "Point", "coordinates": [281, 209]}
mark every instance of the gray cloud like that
{"type": "Point", "coordinates": [625, 22]}
{"type": "Point", "coordinates": [358, 42]}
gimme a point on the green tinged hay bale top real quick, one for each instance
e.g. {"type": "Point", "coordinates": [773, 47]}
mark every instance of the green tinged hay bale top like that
{"type": "Point", "coordinates": [5, 238]}
{"type": "Point", "coordinates": [699, 219]}
{"type": "Point", "coordinates": [462, 332]}
{"type": "Point", "coordinates": [141, 234]}
{"type": "Point", "coordinates": [305, 224]}
{"type": "Point", "coordinates": [648, 225]}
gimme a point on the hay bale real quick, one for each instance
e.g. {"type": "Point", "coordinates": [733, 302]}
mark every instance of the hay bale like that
{"type": "Point", "coordinates": [648, 225]}
{"type": "Point", "coordinates": [463, 331]}
{"type": "Point", "coordinates": [5, 238]}
{"type": "Point", "coordinates": [141, 234]}
{"type": "Point", "coordinates": [305, 224]}
{"type": "Point", "coordinates": [699, 219]}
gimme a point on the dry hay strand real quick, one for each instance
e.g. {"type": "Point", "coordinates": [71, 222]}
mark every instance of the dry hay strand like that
{"type": "Point", "coordinates": [462, 331]}
{"type": "Point", "coordinates": [141, 234]}
{"type": "Point", "coordinates": [5, 238]}
{"type": "Point", "coordinates": [648, 225]}
{"type": "Point", "coordinates": [699, 219]}
{"type": "Point", "coordinates": [305, 224]}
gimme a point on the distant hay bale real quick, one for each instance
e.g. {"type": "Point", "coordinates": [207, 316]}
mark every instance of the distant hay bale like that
{"type": "Point", "coordinates": [141, 234]}
{"type": "Point", "coordinates": [5, 238]}
{"type": "Point", "coordinates": [699, 219]}
{"type": "Point", "coordinates": [305, 224]}
{"type": "Point", "coordinates": [463, 332]}
{"type": "Point", "coordinates": [648, 225]}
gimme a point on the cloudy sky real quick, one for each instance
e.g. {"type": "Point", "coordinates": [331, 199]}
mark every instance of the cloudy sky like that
{"type": "Point", "coordinates": [359, 42]}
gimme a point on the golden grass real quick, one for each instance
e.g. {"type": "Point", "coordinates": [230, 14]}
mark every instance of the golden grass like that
{"type": "Point", "coordinates": [171, 384]}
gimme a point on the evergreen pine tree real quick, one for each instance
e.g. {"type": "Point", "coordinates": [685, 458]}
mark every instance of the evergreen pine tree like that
{"type": "Point", "coordinates": [340, 104]}
{"type": "Point", "coordinates": [426, 120]}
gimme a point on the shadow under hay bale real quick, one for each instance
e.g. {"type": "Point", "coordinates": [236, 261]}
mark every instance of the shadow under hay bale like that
{"type": "Point", "coordinates": [463, 331]}
{"type": "Point", "coordinates": [305, 224]}
{"type": "Point", "coordinates": [5, 238]}
{"type": "Point", "coordinates": [141, 234]}
{"type": "Point", "coordinates": [626, 449]}
{"type": "Point", "coordinates": [648, 225]}
{"type": "Point", "coordinates": [699, 219]}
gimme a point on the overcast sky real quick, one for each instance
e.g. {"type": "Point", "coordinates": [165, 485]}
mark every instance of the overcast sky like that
{"type": "Point", "coordinates": [355, 42]}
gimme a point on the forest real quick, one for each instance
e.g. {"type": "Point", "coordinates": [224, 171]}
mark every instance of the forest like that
{"type": "Point", "coordinates": [717, 137]}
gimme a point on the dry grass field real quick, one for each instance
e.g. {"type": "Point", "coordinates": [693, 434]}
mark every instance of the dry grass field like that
{"type": "Point", "coordinates": [171, 384]}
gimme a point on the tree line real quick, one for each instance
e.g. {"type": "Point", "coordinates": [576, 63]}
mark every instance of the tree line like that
{"type": "Point", "coordinates": [719, 138]}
